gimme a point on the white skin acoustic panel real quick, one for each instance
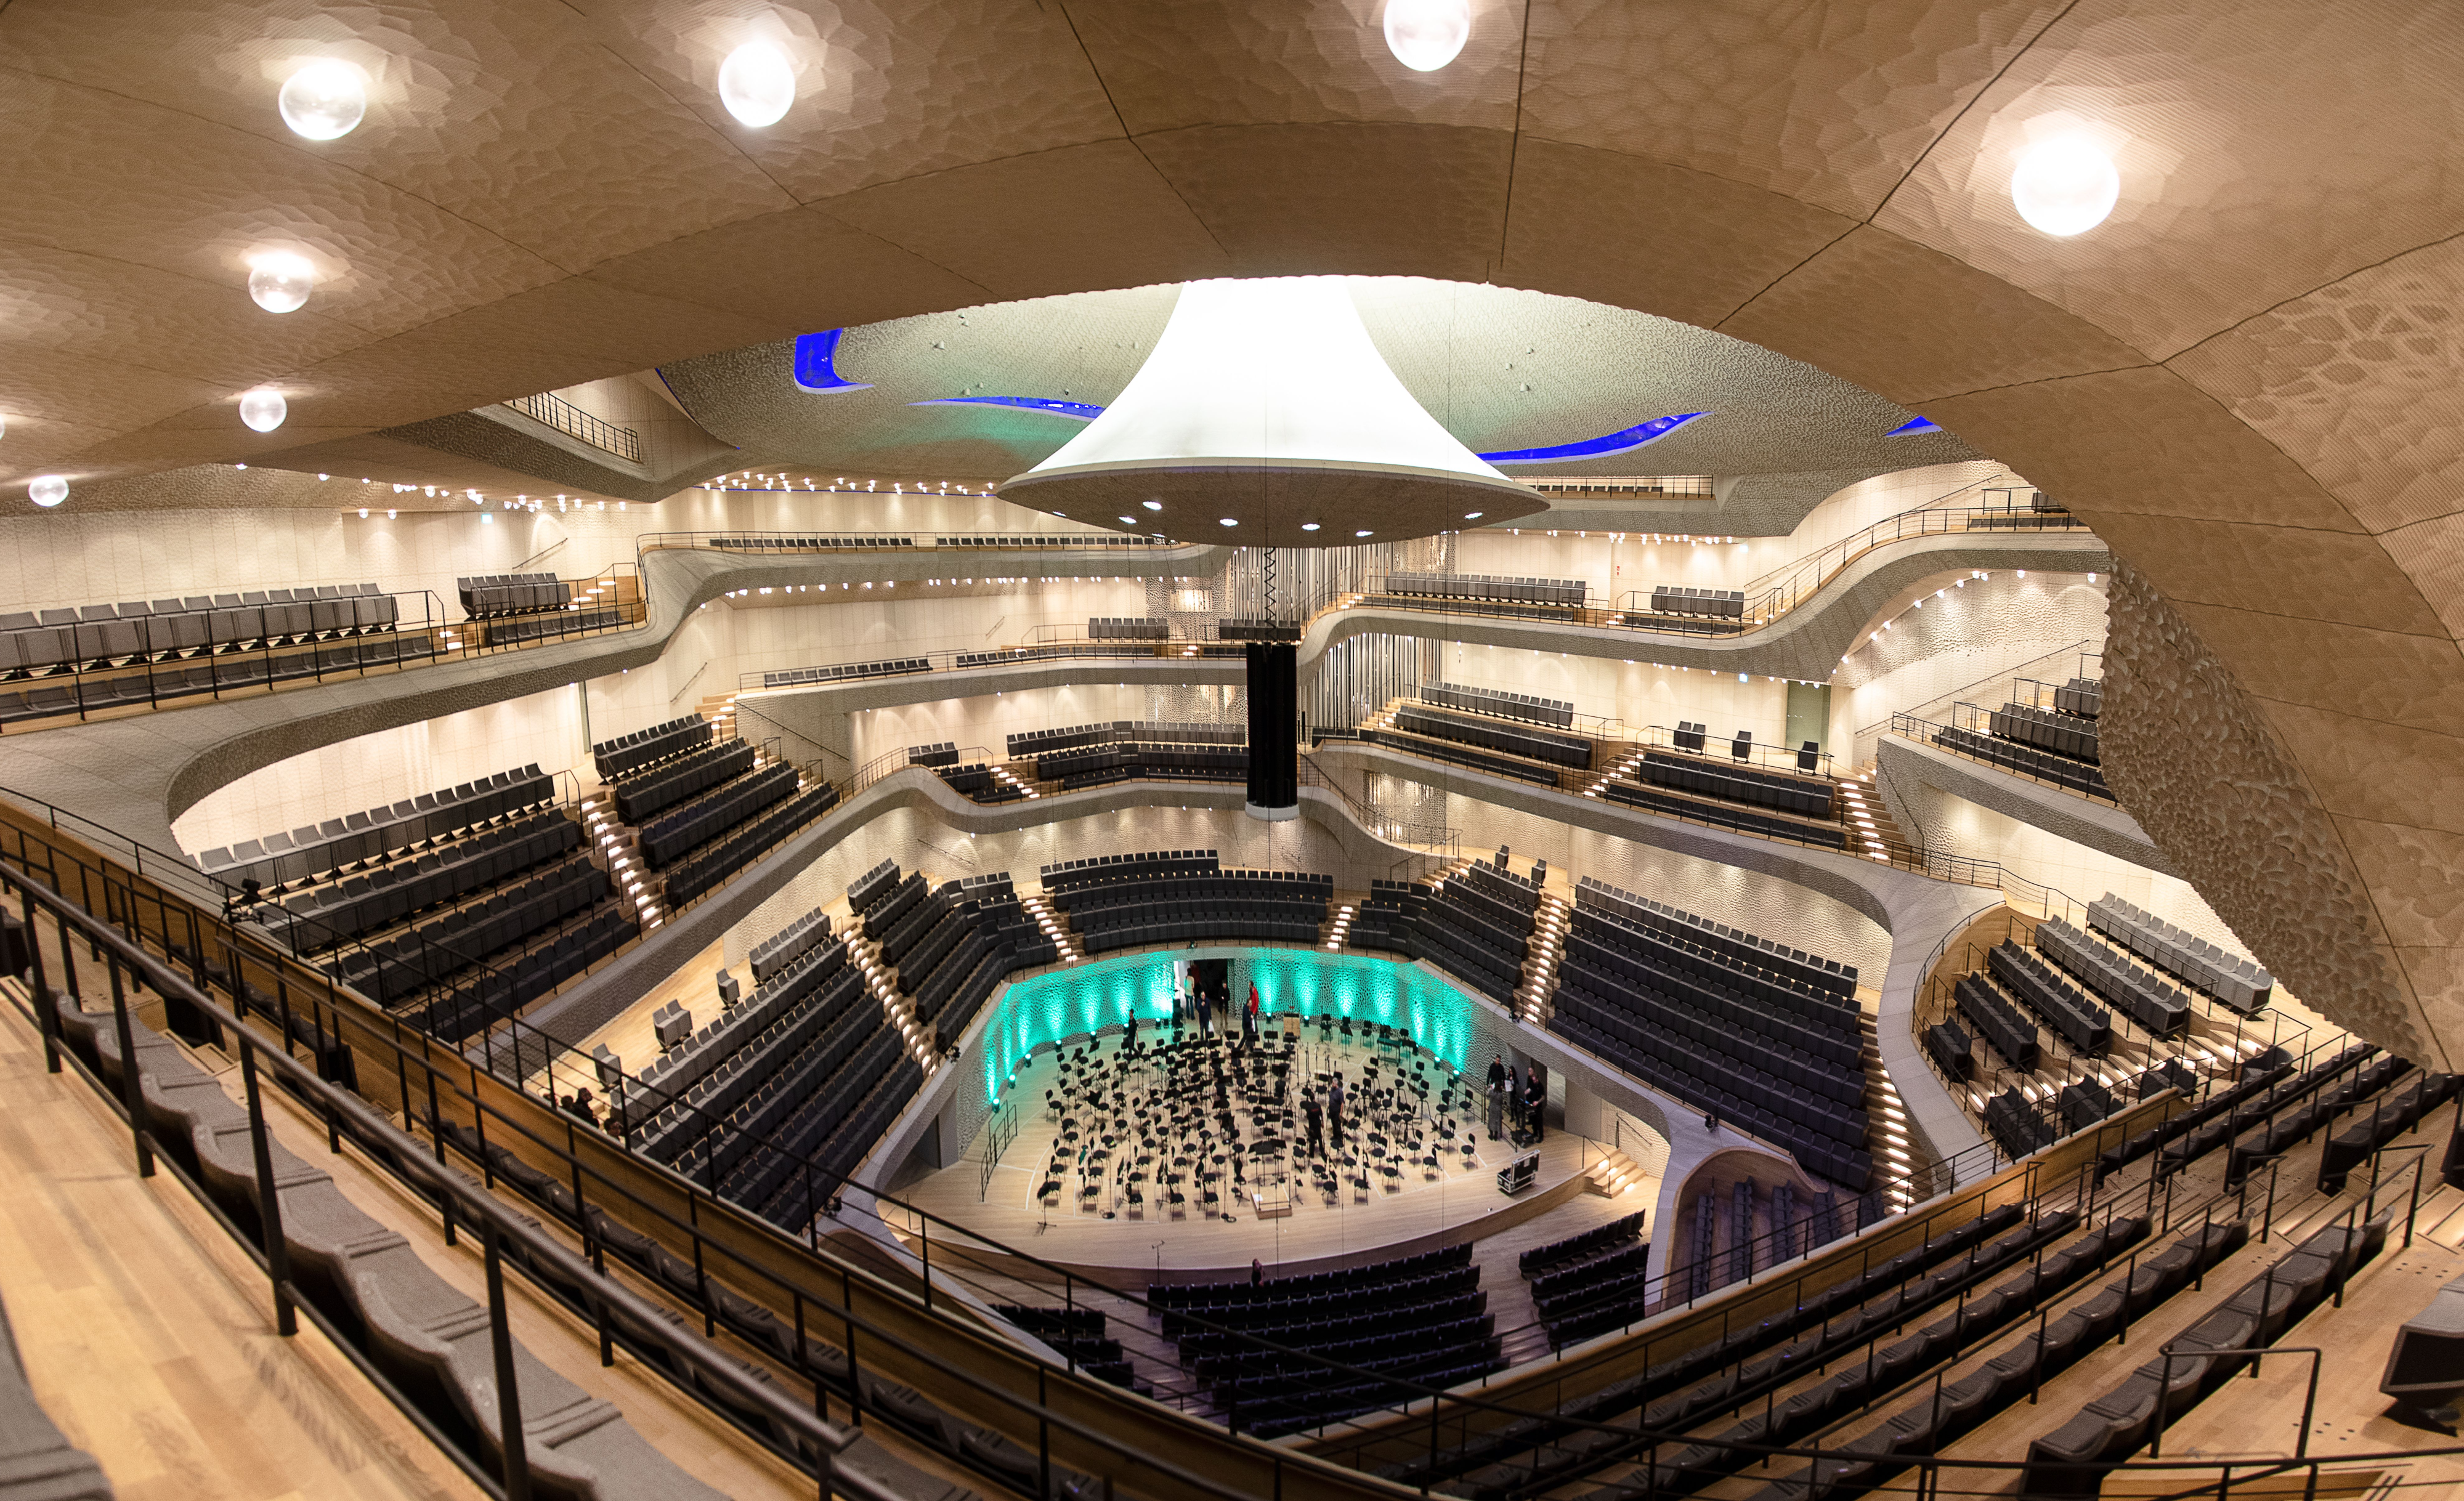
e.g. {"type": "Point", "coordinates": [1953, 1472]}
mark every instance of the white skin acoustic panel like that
{"type": "Point", "coordinates": [1266, 407]}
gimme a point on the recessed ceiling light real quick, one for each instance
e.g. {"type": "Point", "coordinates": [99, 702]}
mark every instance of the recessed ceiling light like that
{"type": "Point", "coordinates": [1228, 522]}
{"type": "Point", "coordinates": [1361, 533]}
{"type": "Point", "coordinates": [1151, 505]}
{"type": "Point", "coordinates": [279, 282]}
{"type": "Point", "coordinates": [263, 409]}
{"type": "Point", "coordinates": [1130, 521]}
{"type": "Point", "coordinates": [325, 100]}
{"type": "Point", "coordinates": [757, 83]}
{"type": "Point", "coordinates": [1309, 526]}
{"type": "Point", "coordinates": [1473, 516]}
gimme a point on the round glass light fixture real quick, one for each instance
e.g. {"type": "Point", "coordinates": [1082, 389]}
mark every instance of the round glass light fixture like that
{"type": "Point", "coordinates": [757, 83]}
{"type": "Point", "coordinates": [280, 281]}
{"type": "Point", "coordinates": [48, 491]}
{"type": "Point", "coordinates": [1425, 35]}
{"type": "Point", "coordinates": [263, 409]}
{"type": "Point", "coordinates": [2065, 186]}
{"type": "Point", "coordinates": [325, 100]}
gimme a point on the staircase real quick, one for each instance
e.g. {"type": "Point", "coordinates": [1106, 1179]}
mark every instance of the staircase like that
{"type": "Point", "coordinates": [1551, 922]}
{"type": "Point", "coordinates": [1609, 759]}
{"type": "Point", "coordinates": [1872, 832]}
{"type": "Point", "coordinates": [616, 847]}
{"type": "Point", "coordinates": [1895, 1156]}
{"type": "Point", "coordinates": [1336, 931]}
{"type": "Point", "coordinates": [1055, 926]}
{"type": "Point", "coordinates": [1612, 1175]}
{"type": "Point", "coordinates": [883, 982]}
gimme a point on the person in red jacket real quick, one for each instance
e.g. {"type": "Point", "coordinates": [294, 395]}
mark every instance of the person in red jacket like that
{"type": "Point", "coordinates": [1249, 1016]}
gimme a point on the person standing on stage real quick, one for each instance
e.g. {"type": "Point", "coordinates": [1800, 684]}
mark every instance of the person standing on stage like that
{"type": "Point", "coordinates": [1535, 1102]}
{"type": "Point", "coordinates": [1129, 1034]}
{"type": "Point", "coordinates": [1249, 1017]}
{"type": "Point", "coordinates": [1316, 1126]}
{"type": "Point", "coordinates": [1334, 1112]}
{"type": "Point", "coordinates": [1496, 1094]}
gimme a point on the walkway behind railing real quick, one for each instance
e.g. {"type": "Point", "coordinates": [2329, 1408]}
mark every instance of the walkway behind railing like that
{"type": "Point", "coordinates": [549, 409]}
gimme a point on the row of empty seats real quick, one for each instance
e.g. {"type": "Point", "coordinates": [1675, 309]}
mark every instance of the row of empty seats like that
{"type": "Point", "coordinates": [1169, 901]}
{"type": "Point", "coordinates": [1501, 703]}
{"type": "Point", "coordinates": [1421, 1317]}
{"type": "Point", "coordinates": [34, 643]}
{"type": "Point", "coordinates": [2064, 734]}
{"type": "Point", "coordinates": [1489, 588]}
{"type": "Point", "coordinates": [1674, 599]}
{"type": "Point", "coordinates": [1748, 1043]}
{"type": "Point", "coordinates": [718, 861]}
{"type": "Point", "coordinates": [1734, 1368]}
{"type": "Point", "coordinates": [2154, 1003]}
{"type": "Point", "coordinates": [671, 835]}
{"type": "Point", "coordinates": [843, 671]}
{"type": "Point", "coordinates": [1513, 767]}
{"type": "Point", "coordinates": [627, 754]}
{"type": "Point", "coordinates": [1098, 766]}
{"type": "Point", "coordinates": [512, 593]}
{"type": "Point", "coordinates": [1476, 924]}
{"type": "Point", "coordinates": [321, 916]}
{"type": "Point", "coordinates": [314, 849]}
{"type": "Point", "coordinates": [688, 775]}
{"type": "Point", "coordinates": [2231, 979]}
{"type": "Point", "coordinates": [2080, 696]}
{"type": "Point", "coordinates": [1113, 628]}
{"type": "Point", "coordinates": [1803, 796]}
{"type": "Point", "coordinates": [584, 933]}
{"type": "Point", "coordinates": [2010, 755]}
{"type": "Point", "coordinates": [1528, 742]}
{"type": "Point", "coordinates": [780, 542]}
{"type": "Point", "coordinates": [954, 946]}
{"type": "Point", "coordinates": [397, 969]}
{"type": "Point", "coordinates": [521, 631]}
{"type": "Point", "coordinates": [61, 694]}
{"type": "Point", "coordinates": [1032, 743]}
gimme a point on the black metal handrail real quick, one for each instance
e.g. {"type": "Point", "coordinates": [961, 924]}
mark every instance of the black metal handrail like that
{"type": "Point", "coordinates": [549, 409]}
{"type": "Point", "coordinates": [442, 1080]}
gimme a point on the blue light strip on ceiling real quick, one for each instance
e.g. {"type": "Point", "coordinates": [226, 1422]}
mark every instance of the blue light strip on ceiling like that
{"type": "Point", "coordinates": [815, 367]}
{"type": "Point", "coordinates": [1622, 441]}
{"type": "Point", "coordinates": [1914, 425]}
{"type": "Point", "coordinates": [1074, 411]}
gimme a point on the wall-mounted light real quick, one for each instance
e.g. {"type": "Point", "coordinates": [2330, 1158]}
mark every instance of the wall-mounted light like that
{"type": "Point", "coordinates": [48, 491]}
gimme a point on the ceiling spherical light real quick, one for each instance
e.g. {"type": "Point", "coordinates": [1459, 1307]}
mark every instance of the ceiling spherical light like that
{"type": "Point", "coordinates": [2065, 186]}
{"type": "Point", "coordinates": [263, 409]}
{"type": "Point", "coordinates": [325, 100]}
{"type": "Point", "coordinates": [48, 491]}
{"type": "Point", "coordinates": [280, 281]}
{"type": "Point", "coordinates": [757, 83]}
{"type": "Point", "coordinates": [1425, 35]}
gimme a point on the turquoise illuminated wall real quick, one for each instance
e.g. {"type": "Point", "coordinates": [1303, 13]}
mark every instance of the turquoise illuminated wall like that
{"type": "Point", "coordinates": [1307, 982]}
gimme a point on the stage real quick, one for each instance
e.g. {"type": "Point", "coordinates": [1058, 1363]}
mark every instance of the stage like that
{"type": "Point", "coordinates": [1400, 1094]}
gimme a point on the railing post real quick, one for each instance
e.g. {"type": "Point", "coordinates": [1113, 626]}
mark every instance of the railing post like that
{"type": "Point", "coordinates": [46, 1016]}
{"type": "Point", "coordinates": [132, 1090]}
{"type": "Point", "coordinates": [509, 1401]}
{"type": "Point", "coordinates": [269, 1201]}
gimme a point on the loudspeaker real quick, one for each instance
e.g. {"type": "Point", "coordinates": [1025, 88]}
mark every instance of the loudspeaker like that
{"type": "Point", "coordinates": [1274, 719]}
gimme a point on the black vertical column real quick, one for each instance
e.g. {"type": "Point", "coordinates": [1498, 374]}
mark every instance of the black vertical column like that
{"type": "Point", "coordinates": [1274, 711]}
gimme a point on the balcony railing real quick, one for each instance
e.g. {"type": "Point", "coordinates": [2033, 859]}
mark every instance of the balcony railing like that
{"type": "Point", "coordinates": [552, 410]}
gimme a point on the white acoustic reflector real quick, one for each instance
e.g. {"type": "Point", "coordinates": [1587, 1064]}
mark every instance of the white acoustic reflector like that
{"type": "Point", "coordinates": [1264, 404]}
